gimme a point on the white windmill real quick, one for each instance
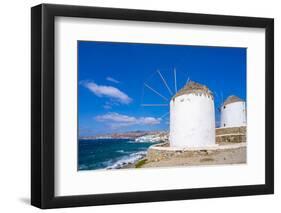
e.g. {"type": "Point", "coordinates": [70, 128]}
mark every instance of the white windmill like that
{"type": "Point", "coordinates": [233, 112]}
{"type": "Point", "coordinates": [192, 115]}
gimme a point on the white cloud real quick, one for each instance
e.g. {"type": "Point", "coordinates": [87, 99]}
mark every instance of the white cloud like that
{"type": "Point", "coordinates": [106, 106]}
{"type": "Point", "coordinates": [112, 80]}
{"type": "Point", "coordinates": [118, 120]}
{"type": "Point", "coordinates": [108, 91]}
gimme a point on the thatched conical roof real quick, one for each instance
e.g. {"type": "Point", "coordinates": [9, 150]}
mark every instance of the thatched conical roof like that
{"type": "Point", "coordinates": [195, 88]}
{"type": "Point", "coordinates": [232, 99]}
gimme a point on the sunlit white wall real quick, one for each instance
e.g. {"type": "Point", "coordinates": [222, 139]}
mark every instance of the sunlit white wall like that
{"type": "Point", "coordinates": [233, 114]}
{"type": "Point", "coordinates": [192, 121]}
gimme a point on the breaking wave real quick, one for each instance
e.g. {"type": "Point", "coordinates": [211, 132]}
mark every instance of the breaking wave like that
{"type": "Point", "coordinates": [126, 160]}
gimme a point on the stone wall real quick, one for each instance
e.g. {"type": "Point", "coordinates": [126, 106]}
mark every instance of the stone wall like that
{"type": "Point", "coordinates": [230, 148]}
{"type": "Point", "coordinates": [231, 130]}
{"type": "Point", "coordinates": [229, 154]}
{"type": "Point", "coordinates": [231, 135]}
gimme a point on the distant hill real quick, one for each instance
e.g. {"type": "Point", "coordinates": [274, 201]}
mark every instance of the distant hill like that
{"type": "Point", "coordinates": [124, 135]}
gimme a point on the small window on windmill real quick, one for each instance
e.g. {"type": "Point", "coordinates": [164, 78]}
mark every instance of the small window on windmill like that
{"type": "Point", "coordinates": [224, 107]}
{"type": "Point", "coordinates": [182, 100]}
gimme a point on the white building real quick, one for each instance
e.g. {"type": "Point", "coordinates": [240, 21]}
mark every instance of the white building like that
{"type": "Point", "coordinates": [233, 112]}
{"type": "Point", "coordinates": [192, 117]}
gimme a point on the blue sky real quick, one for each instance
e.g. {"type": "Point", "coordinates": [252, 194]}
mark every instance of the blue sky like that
{"type": "Point", "coordinates": [112, 78]}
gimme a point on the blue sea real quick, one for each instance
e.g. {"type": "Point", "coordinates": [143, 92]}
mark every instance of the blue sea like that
{"type": "Point", "coordinates": [110, 153]}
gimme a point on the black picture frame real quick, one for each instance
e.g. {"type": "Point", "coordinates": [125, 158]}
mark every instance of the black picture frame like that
{"type": "Point", "coordinates": [43, 111]}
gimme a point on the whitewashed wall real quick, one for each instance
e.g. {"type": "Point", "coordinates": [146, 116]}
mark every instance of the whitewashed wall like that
{"type": "Point", "coordinates": [192, 121]}
{"type": "Point", "coordinates": [233, 114]}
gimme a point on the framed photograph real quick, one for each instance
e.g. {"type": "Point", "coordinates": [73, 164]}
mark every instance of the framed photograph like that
{"type": "Point", "coordinates": [139, 106]}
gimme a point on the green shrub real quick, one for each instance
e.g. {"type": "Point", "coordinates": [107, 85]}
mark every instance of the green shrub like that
{"type": "Point", "coordinates": [140, 163]}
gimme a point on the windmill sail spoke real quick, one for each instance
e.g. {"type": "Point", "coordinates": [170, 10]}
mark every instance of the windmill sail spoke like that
{"type": "Point", "coordinates": [163, 116]}
{"type": "Point", "coordinates": [148, 105]}
{"type": "Point", "coordinates": [187, 80]}
{"type": "Point", "coordinates": [153, 90]}
{"type": "Point", "coordinates": [164, 81]}
{"type": "Point", "coordinates": [175, 76]}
